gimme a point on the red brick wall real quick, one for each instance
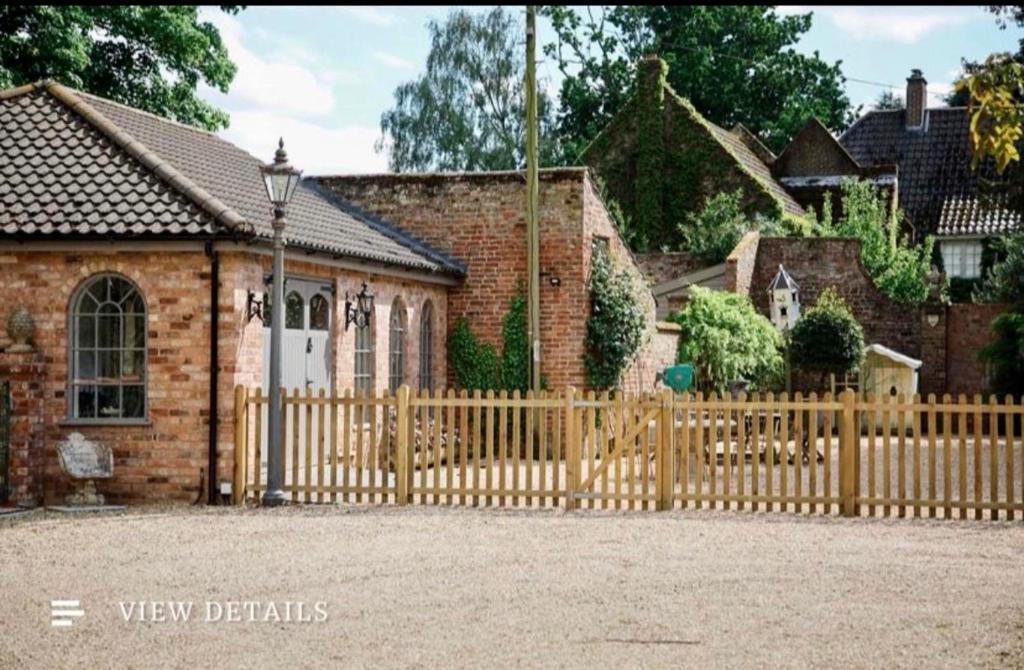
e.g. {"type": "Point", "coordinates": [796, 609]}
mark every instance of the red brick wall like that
{"type": "Point", "coordinates": [969, 329]}
{"type": "Point", "coordinates": [480, 220]}
{"type": "Point", "coordinates": [739, 266]}
{"type": "Point", "coordinates": [25, 372]}
{"type": "Point", "coordinates": [818, 263]}
{"type": "Point", "coordinates": [162, 459]}
{"type": "Point", "coordinates": [158, 460]}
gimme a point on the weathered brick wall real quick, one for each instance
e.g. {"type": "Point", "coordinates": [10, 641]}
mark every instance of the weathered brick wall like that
{"type": "Point", "coordinates": [660, 267]}
{"type": "Point", "coordinates": [739, 266]}
{"type": "Point", "coordinates": [818, 263]}
{"type": "Point", "coordinates": [480, 220]}
{"type": "Point", "coordinates": [598, 223]}
{"type": "Point", "coordinates": [969, 329]}
{"type": "Point", "coordinates": [158, 460]}
{"type": "Point", "coordinates": [162, 459]}
{"type": "Point", "coordinates": [26, 373]}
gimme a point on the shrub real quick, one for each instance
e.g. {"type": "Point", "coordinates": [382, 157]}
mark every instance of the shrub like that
{"type": "Point", "coordinates": [616, 325]}
{"type": "Point", "coordinates": [714, 231]}
{"type": "Point", "coordinates": [898, 269]}
{"type": "Point", "coordinates": [827, 338]}
{"type": "Point", "coordinates": [726, 339]}
{"type": "Point", "coordinates": [1006, 353]}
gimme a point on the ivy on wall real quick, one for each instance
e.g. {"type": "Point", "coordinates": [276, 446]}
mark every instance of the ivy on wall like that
{"type": "Point", "coordinates": [617, 323]}
{"type": "Point", "coordinates": [477, 365]}
{"type": "Point", "coordinates": [650, 161]}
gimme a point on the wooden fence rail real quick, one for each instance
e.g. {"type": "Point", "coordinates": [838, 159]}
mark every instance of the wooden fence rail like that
{"type": "Point", "coordinates": [801, 454]}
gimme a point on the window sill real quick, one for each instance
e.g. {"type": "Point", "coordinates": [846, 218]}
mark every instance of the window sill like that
{"type": "Point", "coordinates": [106, 423]}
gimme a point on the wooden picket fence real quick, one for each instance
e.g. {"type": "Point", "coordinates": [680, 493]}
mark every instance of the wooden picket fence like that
{"type": "Point", "coordinates": [815, 455]}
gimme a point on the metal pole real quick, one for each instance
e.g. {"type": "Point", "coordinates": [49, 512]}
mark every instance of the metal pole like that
{"type": "Point", "coordinates": [532, 198]}
{"type": "Point", "coordinates": [274, 495]}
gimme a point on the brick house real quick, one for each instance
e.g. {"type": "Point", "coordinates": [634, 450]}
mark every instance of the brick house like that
{"type": "Point", "coordinates": [141, 249]}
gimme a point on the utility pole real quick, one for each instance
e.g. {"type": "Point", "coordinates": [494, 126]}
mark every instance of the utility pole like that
{"type": "Point", "coordinates": [532, 198]}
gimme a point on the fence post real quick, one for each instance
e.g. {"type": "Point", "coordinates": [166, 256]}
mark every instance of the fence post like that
{"type": "Point", "coordinates": [665, 460]}
{"type": "Point", "coordinates": [847, 454]}
{"type": "Point", "coordinates": [241, 443]}
{"type": "Point", "coordinates": [572, 450]}
{"type": "Point", "coordinates": [401, 448]}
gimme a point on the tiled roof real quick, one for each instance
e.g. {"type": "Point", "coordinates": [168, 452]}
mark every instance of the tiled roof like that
{"type": "Point", "coordinates": [752, 164]}
{"type": "Point", "coordinates": [934, 161]}
{"type": "Point", "coordinates": [203, 165]}
{"type": "Point", "coordinates": [972, 216]}
{"type": "Point", "coordinates": [60, 175]}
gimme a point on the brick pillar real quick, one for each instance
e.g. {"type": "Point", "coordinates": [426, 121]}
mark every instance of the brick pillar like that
{"type": "Point", "coordinates": [25, 372]}
{"type": "Point", "coordinates": [934, 333]}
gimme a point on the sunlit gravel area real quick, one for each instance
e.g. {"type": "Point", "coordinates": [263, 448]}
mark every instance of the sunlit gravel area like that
{"type": "Point", "coordinates": [438, 587]}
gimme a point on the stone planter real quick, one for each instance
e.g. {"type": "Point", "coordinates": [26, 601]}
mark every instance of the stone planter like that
{"type": "Point", "coordinates": [20, 328]}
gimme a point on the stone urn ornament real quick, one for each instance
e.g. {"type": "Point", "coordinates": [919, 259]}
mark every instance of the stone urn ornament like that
{"type": "Point", "coordinates": [20, 328]}
{"type": "Point", "coordinates": [84, 461]}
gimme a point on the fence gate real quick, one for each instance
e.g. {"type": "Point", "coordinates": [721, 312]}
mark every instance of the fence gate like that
{"type": "Point", "coordinates": [6, 408]}
{"type": "Point", "coordinates": [621, 446]}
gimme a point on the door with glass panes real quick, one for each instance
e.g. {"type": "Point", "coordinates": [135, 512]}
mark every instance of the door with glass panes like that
{"type": "Point", "coordinates": [306, 350]}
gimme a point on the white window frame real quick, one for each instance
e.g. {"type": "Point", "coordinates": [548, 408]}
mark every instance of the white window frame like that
{"type": "Point", "coordinates": [962, 258]}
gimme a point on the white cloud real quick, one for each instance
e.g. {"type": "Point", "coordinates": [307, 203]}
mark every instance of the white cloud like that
{"type": "Point", "coordinates": [372, 15]}
{"type": "Point", "coordinates": [392, 60]}
{"type": "Point", "coordinates": [313, 148]}
{"type": "Point", "coordinates": [282, 84]}
{"type": "Point", "coordinates": [895, 24]}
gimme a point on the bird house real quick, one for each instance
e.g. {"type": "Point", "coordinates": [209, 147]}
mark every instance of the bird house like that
{"type": "Point", "coordinates": [784, 301]}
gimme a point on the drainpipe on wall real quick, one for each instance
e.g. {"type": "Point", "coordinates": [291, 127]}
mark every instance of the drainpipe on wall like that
{"type": "Point", "coordinates": [211, 478]}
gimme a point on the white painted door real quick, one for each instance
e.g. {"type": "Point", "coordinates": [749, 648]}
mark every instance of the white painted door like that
{"type": "Point", "coordinates": [306, 352]}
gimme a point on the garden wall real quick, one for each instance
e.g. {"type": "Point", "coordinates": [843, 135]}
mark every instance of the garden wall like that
{"type": "Point", "coordinates": [480, 219]}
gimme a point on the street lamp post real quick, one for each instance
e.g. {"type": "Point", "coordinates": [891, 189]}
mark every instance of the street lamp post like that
{"type": "Point", "coordinates": [280, 178]}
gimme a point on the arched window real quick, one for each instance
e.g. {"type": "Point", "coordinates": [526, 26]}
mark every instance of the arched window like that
{"type": "Point", "coordinates": [108, 350]}
{"type": "Point", "coordinates": [427, 347]}
{"type": "Point", "coordinates": [363, 377]}
{"type": "Point", "coordinates": [396, 346]}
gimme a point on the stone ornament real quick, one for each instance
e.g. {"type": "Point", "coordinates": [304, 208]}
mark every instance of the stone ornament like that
{"type": "Point", "coordinates": [20, 328]}
{"type": "Point", "coordinates": [84, 461]}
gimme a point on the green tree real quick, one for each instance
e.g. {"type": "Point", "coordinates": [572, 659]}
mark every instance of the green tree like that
{"type": "Point", "coordinates": [1004, 281]}
{"type": "Point", "coordinates": [147, 56]}
{"type": "Point", "coordinates": [1006, 354]}
{"type": "Point", "coordinates": [888, 100]}
{"type": "Point", "coordinates": [899, 269]}
{"type": "Point", "coordinates": [827, 338]}
{"type": "Point", "coordinates": [734, 63]}
{"type": "Point", "coordinates": [467, 111]}
{"type": "Point", "coordinates": [725, 339]}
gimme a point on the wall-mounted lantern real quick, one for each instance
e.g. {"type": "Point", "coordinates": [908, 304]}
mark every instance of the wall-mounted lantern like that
{"type": "Point", "coordinates": [784, 301]}
{"type": "Point", "coordinates": [359, 310]}
{"type": "Point", "coordinates": [254, 306]}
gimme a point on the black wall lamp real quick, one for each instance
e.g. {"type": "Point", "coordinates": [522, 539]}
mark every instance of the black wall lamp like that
{"type": "Point", "coordinates": [359, 311]}
{"type": "Point", "coordinates": [254, 306]}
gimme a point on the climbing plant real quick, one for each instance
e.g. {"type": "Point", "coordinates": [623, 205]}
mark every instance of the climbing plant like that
{"type": "Point", "coordinates": [617, 323]}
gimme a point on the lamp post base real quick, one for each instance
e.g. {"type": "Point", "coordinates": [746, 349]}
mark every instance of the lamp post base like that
{"type": "Point", "coordinates": [274, 498]}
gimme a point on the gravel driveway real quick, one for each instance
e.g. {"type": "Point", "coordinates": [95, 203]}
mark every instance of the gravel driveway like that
{"type": "Point", "coordinates": [426, 587]}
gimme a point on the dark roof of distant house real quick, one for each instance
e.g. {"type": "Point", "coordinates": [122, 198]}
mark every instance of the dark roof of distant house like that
{"type": "Point", "coordinates": [733, 141]}
{"type": "Point", "coordinates": [934, 161]}
{"type": "Point", "coordinates": [74, 163]}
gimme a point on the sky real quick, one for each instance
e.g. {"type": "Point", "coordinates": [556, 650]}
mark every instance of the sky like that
{"type": "Point", "coordinates": [321, 76]}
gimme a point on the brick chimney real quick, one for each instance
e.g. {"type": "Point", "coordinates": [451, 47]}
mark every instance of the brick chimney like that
{"type": "Point", "coordinates": [917, 99]}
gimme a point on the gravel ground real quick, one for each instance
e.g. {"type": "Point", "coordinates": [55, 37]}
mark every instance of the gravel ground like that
{"type": "Point", "coordinates": [435, 587]}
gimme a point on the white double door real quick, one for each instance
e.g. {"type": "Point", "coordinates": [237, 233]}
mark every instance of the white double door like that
{"type": "Point", "coordinates": [306, 351]}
